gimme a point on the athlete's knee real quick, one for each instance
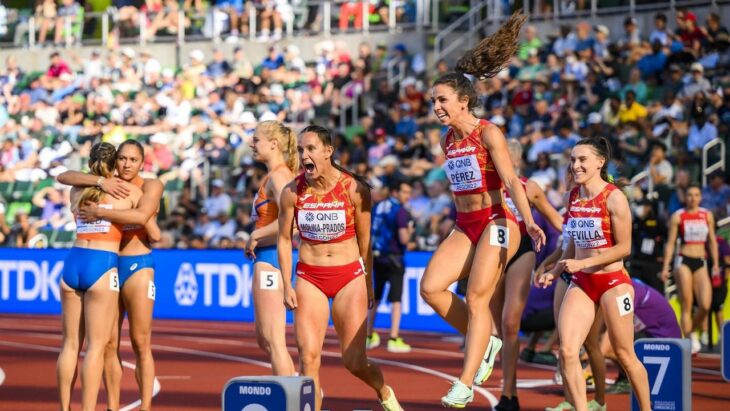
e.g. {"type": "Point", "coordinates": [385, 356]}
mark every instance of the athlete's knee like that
{"type": "Point", "coordinates": [355, 361]}
{"type": "Point", "coordinates": [478, 301]}
{"type": "Point", "coordinates": [510, 328]}
{"type": "Point", "coordinates": [625, 355]}
{"type": "Point", "coordinates": [569, 352]}
{"type": "Point", "coordinates": [429, 291]}
{"type": "Point", "coordinates": [310, 359]}
{"type": "Point", "coordinates": [263, 342]}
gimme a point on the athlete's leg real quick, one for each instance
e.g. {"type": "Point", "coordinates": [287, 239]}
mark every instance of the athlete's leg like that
{"type": "Point", "coordinates": [491, 256]}
{"type": "Point", "coordinates": [702, 287]}
{"type": "Point", "coordinates": [72, 340]}
{"type": "Point", "coordinates": [617, 305]}
{"type": "Point", "coordinates": [113, 363]}
{"type": "Point", "coordinates": [561, 287]}
{"type": "Point", "coordinates": [101, 302]}
{"type": "Point", "coordinates": [270, 317]}
{"type": "Point", "coordinates": [349, 315]}
{"type": "Point", "coordinates": [595, 357]}
{"type": "Point", "coordinates": [683, 278]}
{"type": "Point", "coordinates": [310, 327]}
{"type": "Point", "coordinates": [517, 286]}
{"type": "Point", "coordinates": [450, 262]}
{"type": "Point", "coordinates": [576, 318]}
{"type": "Point", "coordinates": [138, 295]}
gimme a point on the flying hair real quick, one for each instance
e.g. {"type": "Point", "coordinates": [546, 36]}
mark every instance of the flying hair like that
{"type": "Point", "coordinates": [494, 52]}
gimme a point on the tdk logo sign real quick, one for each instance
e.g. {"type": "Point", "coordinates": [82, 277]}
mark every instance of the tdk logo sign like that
{"type": "Point", "coordinates": [223, 285]}
{"type": "Point", "coordinates": [33, 280]}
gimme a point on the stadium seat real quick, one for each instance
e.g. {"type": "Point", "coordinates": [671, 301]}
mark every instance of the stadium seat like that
{"type": "Point", "coordinates": [6, 187]}
{"type": "Point", "coordinates": [16, 207]}
{"type": "Point", "coordinates": [63, 239]}
{"type": "Point", "coordinates": [47, 182]}
{"type": "Point", "coordinates": [22, 191]}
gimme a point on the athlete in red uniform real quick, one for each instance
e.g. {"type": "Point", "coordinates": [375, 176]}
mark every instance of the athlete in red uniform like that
{"type": "Point", "coordinates": [486, 234]}
{"type": "Point", "coordinates": [599, 223]}
{"type": "Point", "coordinates": [331, 209]}
{"type": "Point", "coordinates": [275, 145]}
{"type": "Point", "coordinates": [696, 228]}
{"type": "Point", "coordinates": [510, 296]}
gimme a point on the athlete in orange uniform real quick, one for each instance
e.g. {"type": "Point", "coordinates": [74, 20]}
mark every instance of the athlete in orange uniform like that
{"type": "Point", "coordinates": [331, 209]}
{"type": "Point", "coordinates": [486, 234]}
{"type": "Point", "coordinates": [136, 266]}
{"type": "Point", "coordinates": [90, 285]}
{"type": "Point", "coordinates": [276, 146]}
{"type": "Point", "coordinates": [696, 228]}
{"type": "Point", "coordinates": [600, 233]}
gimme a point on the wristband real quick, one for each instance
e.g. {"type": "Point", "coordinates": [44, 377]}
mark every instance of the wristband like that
{"type": "Point", "coordinates": [100, 181]}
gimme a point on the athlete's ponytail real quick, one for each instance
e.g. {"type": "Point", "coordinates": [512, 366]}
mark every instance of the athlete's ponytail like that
{"type": "Point", "coordinates": [326, 138]}
{"type": "Point", "coordinates": [292, 157]}
{"type": "Point", "coordinates": [102, 159]}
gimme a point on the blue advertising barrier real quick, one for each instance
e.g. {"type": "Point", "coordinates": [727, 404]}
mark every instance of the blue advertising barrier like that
{"type": "Point", "coordinates": [725, 351]}
{"type": "Point", "coordinates": [191, 285]}
{"type": "Point", "coordinates": [268, 393]}
{"type": "Point", "coordinates": [667, 361]}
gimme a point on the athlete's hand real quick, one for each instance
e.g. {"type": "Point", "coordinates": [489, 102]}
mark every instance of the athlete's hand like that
{"type": "Point", "coordinates": [544, 280]}
{"type": "Point", "coordinates": [572, 265]}
{"type": "Point", "coordinates": [115, 187]}
{"type": "Point", "coordinates": [290, 297]}
{"type": "Point", "coordinates": [665, 275]}
{"type": "Point", "coordinates": [538, 237]}
{"type": "Point", "coordinates": [715, 270]}
{"type": "Point", "coordinates": [89, 211]}
{"type": "Point", "coordinates": [251, 246]}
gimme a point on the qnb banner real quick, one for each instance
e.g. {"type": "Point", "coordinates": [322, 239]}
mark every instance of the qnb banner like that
{"type": "Point", "coordinates": [190, 285]}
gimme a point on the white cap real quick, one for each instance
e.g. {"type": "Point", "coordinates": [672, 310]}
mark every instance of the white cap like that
{"type": "Point", "coordinates": [160, 138]}
{"type": "Point", "coordinates": [268, 116]}
{"type": "Point", "coordinates": [217, 183]}
{"type": "Point", "coordinates": [168, 72]}
{"type": "Point", "coordinates": [389, 160]}
{"type": "Point", "coordinates": [247, 118]}
{"type": "Point", "coordinates": [697, 67]}
{"type": "Point", "coordinates": [277, 90]}
{"type": "Point", "coordinates": [408, 81]}
{"type": "Point", "coordinates": [595, 118]}
{"type": "Point", "coordinates": [197, 54]}
{"type": "Point", "coordinates": [128, 52]}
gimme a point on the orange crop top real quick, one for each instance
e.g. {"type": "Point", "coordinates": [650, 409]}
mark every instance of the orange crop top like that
{"type": "Point", "coordinates": [99, 230]}
{"type": "Point", "coordinates": [131, 231]}
{"type": "Point", "coordinates": [469, 166]}
{"type": "Point", "coordinates": [265, 211]}
{"type": "Point", "coordinates": [323, 218]}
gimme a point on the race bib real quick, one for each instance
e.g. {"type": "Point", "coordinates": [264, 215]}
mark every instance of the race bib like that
{"type": "Point", "coordinates": [114, 281]}
{"type": "Point", "coordinates": [92, 227]}
{"type": "Point", "coordinates": [587, 232]}
{"type": "Point", "coordinates": [269, 280]}
{"type": "Point", "coordinates": [695, 231]}
{"type": "Point", "coordinates": [321, 225]}
{"type": "Point", "coordinates": [463, 173]}
{"type": "Point", "coordinates": [513, 208]}
{"type": "Point", "coordinates": [647, 246]}
{"type": "Point", "coordinates": [499, 236]}
{"type": "Point", "coordinates": [625, 304]}
{"type": "Point", "coordinates": [566, 237]}
{"type": "Point", "coordinates": [151, 290]}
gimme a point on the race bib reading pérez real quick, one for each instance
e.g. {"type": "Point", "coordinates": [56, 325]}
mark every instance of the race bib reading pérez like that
{"type": "Point", "coordinates": [321, 225]}
{"type": "Point", "coordinates": [463, 173]}
{"type": "Point", "coordinates": [587, 232]}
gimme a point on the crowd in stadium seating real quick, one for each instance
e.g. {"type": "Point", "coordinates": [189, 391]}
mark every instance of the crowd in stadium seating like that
{"type": "Point", "coordinates": [659, 93]}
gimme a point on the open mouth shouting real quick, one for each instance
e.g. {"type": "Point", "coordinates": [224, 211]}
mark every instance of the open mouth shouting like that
{"type": "Point", "coordinates": [308, 166]}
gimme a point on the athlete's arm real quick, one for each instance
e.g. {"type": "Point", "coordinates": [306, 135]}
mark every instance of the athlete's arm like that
{"type": "Point", "coordinates": [537, 197]}
{"type": "Point", "coordinates": [113, 186]}
{"type": "Point", "coordinates": [148, 204]}
{"type": "Point", "coordinates": [284, 248]}
{"type": "Point", "coordinates": [494, 140]}
{"type": "Point", "coordinates": [153, 230]}
{"type": "Point", "coordinates": [620, 213]}
{"type": "Point", "coordinates": [546, 279]}
{"type": "Point", "coordinates": [714, 252]}
{"type": "Point", "coordinates": [669, 247]}
{"type": "Point", "coordinates": [360, 196]}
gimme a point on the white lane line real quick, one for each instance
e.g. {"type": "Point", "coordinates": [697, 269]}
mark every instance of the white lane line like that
{"type": "Point", "coordinates": [209, 354]}
{"type": "Point", "coordinates": [156, 387]}
{"type": "Point", "coordinates": [2, 376]}
{"type": "Point", "coordinates": [449, 378]}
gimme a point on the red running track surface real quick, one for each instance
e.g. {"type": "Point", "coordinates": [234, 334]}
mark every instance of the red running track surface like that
{"type": "Point", "coordinates": [194, 359]}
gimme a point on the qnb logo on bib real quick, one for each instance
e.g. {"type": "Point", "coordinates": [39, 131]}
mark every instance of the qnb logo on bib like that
{"type": "Point", "coordinates": [321, 225]}
{"type": "Point", "coordinates": [695, 231]}
{"type": "Point", "coordinates": [587, 232]}
{"type": "Point", "coordinates": [512, 208]}
{"type": "Point", "coordinates": [463, 173]}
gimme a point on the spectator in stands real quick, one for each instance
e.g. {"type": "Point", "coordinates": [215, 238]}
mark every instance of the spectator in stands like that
{"type": "Point", "coordinates": [648, 237]}
{"type": "Point", "coordinates": [270, 14]}
{"type": "Point", "coordinates": [632, 35]}
{"type": "Point", "coordinates": [716, 194]}
{"type": "Point", "coordinates": [67, 19]}
{"type": "Point", "coordinates": [529, 43]}
{"type": "Point", "coordinates": [660, 169]}
{"type": "Point", "coordinates": [696, 84]}
{"type": "Point", "coordinates": [237, 16]}
{"type": "Point", "coordinates": [660, 33]}
{"type": "Point", "coordinates": [700, 133]}
{"type": "Point", "coordinates": [351, 11]}
{"type": "Point", "coordinates": [22, 231]}
{"type": "Point", "coordinates": [54, 209]}
{"type": "Point", "coordinates": [45, 17]}
{"type": "Point", "coordinates": [219, 201]}
{"type": "Point", "coordinates": [677, 198]}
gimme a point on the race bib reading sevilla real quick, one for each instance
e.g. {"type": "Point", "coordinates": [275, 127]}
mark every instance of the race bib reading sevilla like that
{"type": "Point", "coordinates": [587, 232]}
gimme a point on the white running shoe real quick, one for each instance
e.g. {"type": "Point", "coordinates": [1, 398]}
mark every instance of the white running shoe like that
{"type": "Point", "coordinates": [391, 404]}
{"type": "Point", "coordinates": [696, 344]}
{"type": "Point", "coordinates": [458, 396]}
{"type": "Point", "coordinates": [487, 365]}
